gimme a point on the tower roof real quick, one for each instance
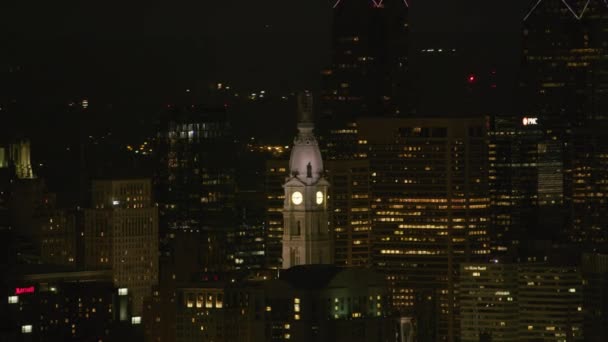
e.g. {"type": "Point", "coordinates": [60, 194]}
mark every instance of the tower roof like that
{"type": "Point", "coordinates": [305, 162]}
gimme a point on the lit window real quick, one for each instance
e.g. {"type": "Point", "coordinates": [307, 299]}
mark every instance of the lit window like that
{"type": "Point", "coordinates": [123, 291]}
{"type": "Point", "coordinates": [13, 299]}
{"type": "Point", "coordinates": [26, 329]}
{"type": "Point", "coordinates": [136, 320]}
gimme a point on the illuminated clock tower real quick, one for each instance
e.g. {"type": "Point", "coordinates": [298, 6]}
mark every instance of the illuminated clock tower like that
{"type": "Point", "coordinates": [306, 237]}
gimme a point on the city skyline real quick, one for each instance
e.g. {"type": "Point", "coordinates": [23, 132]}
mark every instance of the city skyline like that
{"type": "Point", "coordinates": [327, 170]}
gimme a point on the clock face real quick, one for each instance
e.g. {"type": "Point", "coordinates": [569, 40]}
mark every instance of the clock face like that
{"type": "Point", "coordinates": [320, 197]}
{"type": "Point", "coordinates": [296, 198]}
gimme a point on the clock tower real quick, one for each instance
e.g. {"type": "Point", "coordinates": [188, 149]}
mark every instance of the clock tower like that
{"type": "Point", "coordinates": [306, 237]}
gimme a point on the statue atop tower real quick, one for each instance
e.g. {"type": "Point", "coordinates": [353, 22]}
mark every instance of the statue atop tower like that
{"type": "Point", "coordinates": [305, 157]}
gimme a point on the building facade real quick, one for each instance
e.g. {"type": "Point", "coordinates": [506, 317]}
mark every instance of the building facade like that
{"type": "Point", "coordinates": [121, 234]}
{"type": "Point", "coordinates": [521, 302]}
{"type": "Point", "coordinates": [429, 200]}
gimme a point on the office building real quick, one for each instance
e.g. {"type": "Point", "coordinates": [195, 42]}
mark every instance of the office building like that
{"type": "Point", "coordinates": [489, 308]}
{"type": "Point", "coordinates": [67, 305]}
{"type": "Point", "coordinates": [369, 61]}
{"type": "Point", "coordinates": [550, 303]}
{"type": "Point", "coordinates": [274, 177]}
{"type": "Point", "coordinates": [526, 181]}
{"type": "Point", "coordinates": [351, 217]}
{"type": "Point", "coordinates": [521, 302]}
{"type": "Point", "coordinates": [595, 277]}
{"type": "Point", "coordinates": [589, 187]}
{"type": "Point", "coordinates": [564, 56]}
{"type": "Point", "coordinates": [121, 235]}
{"type": "Point", "coordinates": [60, 238]}
{"type": "Point", "coordinates": [195, 184]}
{"type": "Point", "coordinates": [248, 240]}
{"type": "Point", "coordinates": [429, 200]}
{"type": "Point", "coordinates": [368, 72]}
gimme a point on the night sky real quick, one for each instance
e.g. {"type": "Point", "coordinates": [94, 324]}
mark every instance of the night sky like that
{"type": "Point", "coordinates": [134, 58]}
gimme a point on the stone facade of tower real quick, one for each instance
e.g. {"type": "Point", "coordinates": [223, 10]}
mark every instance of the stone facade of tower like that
{"type": "Point", "coordinates": [306, 236]}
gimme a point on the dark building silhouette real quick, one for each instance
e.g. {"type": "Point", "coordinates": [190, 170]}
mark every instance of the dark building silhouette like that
{"type": "Point", "coordinates": [306, 303]}
{"type": "Point", "coordinates": [564, 56]}
{"type": "Point", "coordinates": [367, 76]}
{"type": "Point", "coordinates": [54, 304]}
{"type": "Point", "coordinates": [195, 183]}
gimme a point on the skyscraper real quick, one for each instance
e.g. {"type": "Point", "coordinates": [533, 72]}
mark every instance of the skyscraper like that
{"type": "Point", "coordinates": [196, 179]}
{"type": "Point", "coordinates": [590, 186]}
{"type": "Point", "coordinates": [526, 180]}
{"type": "Point", "coordinates": [351, 216]}
{"type": "Point", "coordinates": [369, 60]}
{"type": "Point", "coordinates": [306, 236]}
{"type": "Point", "coordinates": [430, 204]}
{"type": "Point", "coordinates": [121, 234]}
{"type": "Point", "coordinates": [564, 58]}
{"type": "Point", "coordinates": [565, 83]}
{"type": "Point", "coordinates": [274, 177]}
{"type": "Point", "coordinates": [195, 183]}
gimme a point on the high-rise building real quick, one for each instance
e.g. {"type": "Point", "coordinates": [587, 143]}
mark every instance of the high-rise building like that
{"type": "Point", "coordinates": [564, 80]}
{"type": "Point", "coordinates": [20, 158]}
{"type": "Point", "coordinates": [29, 203]}
{"type": "Point", "coordinates": [369, 59]}
{"type": "Point", "coordinates": [488, 302]}
{"type": "Point", "coordinates": [196, 182]}
{"type": "Point", "coordinates": [564, 58]}
{"type": "Point", "coordinates": [595, 275]}
{"type": "Point", "coordinates": [429, 200]}
{"type": "Point", "coordinates": [351, 217]}
{"type": "Point", "coordinates": [550, 303]}
{"type": "Point", "coordinates": [248, 239]}
{"type": "Point", "coordinates": [121, 234]}
{"type": "Point", "coordinates": [274, 177]}
{"type": "Point", "coordinates": [59, 238]}
{"type": "Point", "coordinates": [521, 302]}
{"type": "Point", "coordinates": [306, 236]}
{"type": "Point", "coordinates": [589, 190]}
{"type": "Point", "coordinates": [526, 181]}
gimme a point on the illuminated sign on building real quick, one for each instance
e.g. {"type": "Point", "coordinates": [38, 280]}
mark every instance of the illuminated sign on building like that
{"type": "Point", "coordinates": [529, 121]}
{"type": "Point", "coordinates": [24, 290]}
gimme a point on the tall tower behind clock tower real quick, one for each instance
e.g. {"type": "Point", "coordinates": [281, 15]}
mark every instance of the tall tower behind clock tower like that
{"type": "Point", "coordinates": [306, 237]}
